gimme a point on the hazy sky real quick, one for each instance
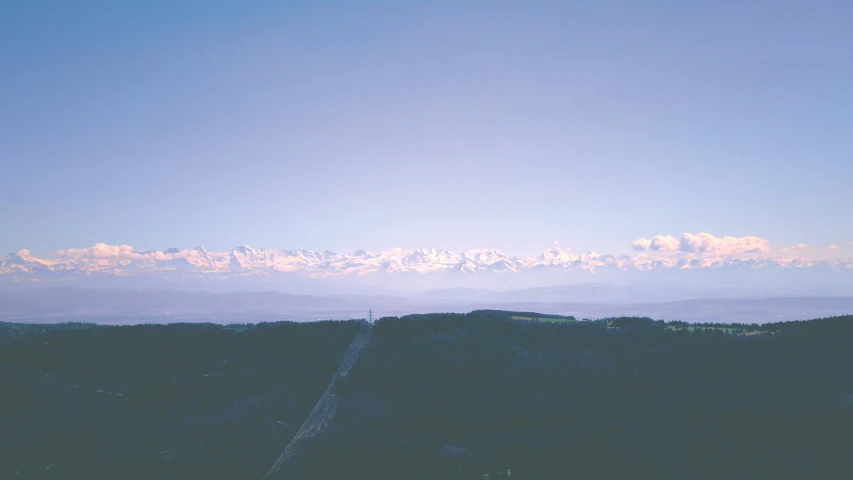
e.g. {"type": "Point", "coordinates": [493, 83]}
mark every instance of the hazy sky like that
{"type": "Point", "coordinates": [334, 125]}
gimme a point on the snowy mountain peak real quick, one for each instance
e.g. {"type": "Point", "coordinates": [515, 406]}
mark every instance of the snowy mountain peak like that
{"type": "Point", "coordinates": [20, 257]}
{"type": "Point", "coordinates": [245, 250]}
{"type": "Point", "coordinates": [102, 259]}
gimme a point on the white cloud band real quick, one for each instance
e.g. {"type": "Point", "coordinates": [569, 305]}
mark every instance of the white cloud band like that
{"type": "Point", "coordinates": [704, 243]}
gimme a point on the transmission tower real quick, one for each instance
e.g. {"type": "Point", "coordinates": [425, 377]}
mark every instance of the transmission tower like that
{"type": "Point", "coordinates": [370, 316]}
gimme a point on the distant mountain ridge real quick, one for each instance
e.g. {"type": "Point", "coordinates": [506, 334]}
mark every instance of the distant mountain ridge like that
{"type": "Point", "coordinates": [123, 306]}
{"type": "Point", "coordinates": [102, 259]}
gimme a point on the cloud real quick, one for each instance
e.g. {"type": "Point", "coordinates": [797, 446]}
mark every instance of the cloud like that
{"type": "Point", "coordinates": [833, 247]}
{"type": "Point", "coordinates": [641, 244]}
{"type": "Point", "coordinates": [664, 243]}
{"type": "Point", "coordinates": [707, 243]}
{"type": "Point", "coordinates": [703, 243]}
{"type": "Point", "coordinates": [660, 243]}
{"type": "Point", "coordinates": [798, 246]}
{"type": "Point", "coordinates": [99, 250]}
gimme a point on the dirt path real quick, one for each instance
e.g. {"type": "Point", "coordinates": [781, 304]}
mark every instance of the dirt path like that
{"type": "Point", "coordinates": [326, 407]}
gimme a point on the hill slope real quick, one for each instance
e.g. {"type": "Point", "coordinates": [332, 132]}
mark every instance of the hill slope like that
{"type": "Point", "coordinates": [461, 396]}
{"type": "Point", "coordinates": [444, 396]}
{"type": "Point", "coordinates": [171, 402]}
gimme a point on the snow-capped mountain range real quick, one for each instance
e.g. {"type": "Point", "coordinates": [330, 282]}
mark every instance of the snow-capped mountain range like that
{"type": "Point", "coordinates": [123, 260]}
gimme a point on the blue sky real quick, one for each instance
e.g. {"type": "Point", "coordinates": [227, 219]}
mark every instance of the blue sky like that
{"type": "Point", "coordinates": [334, 125]}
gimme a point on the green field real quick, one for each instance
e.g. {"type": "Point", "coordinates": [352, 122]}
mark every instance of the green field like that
{"type": "Point", "coordinates": [726, 330]}
{"type": "Point", "coordinates": [543, 319]}
{"type": "Point", "coordinates": [524, 316]}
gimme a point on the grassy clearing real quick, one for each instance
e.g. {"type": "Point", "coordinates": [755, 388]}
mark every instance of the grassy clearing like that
{"type": "Point", "coordinates": [543, 319]}
{"type": "Point", "coordinates": [726, 330]}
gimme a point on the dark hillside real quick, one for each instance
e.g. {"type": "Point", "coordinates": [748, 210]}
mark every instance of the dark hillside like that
{"type": "Point", "coordinates": [446, 396]}
{"type": "Point", "coordinates": [461, 396]}
{"type": "Point", "coordinates": [168, 402]}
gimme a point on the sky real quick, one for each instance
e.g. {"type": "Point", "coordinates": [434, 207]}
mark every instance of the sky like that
{"type": "Point", "coordinates": [374, 125]}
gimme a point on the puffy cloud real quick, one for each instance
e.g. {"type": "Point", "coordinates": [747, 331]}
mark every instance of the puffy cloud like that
{"type": "Point", "coordinates": [660, 243]}
{"type": "Point", "coordinates": [833, 247]}
{"type": "Point", "coordinates": [664, 243]}
{"type": "Point", "coordinates": [707, 243]}
{"type": "Point", "coordinates": [99, 250]}
{"type": "Point", "coordinates": [703, 243]}
{"type": "Point", "coordinates": [641, 244]}
{"type": "Point", "coordinates": [798, 246]}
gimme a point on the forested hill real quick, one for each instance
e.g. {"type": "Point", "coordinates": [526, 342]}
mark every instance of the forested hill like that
{"type": "Point", "coordinates": [449, 396]}
{"type": "Point", "coordinates": [464, 396]}
{"type": "Point", "coordinates": [178, 401]}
